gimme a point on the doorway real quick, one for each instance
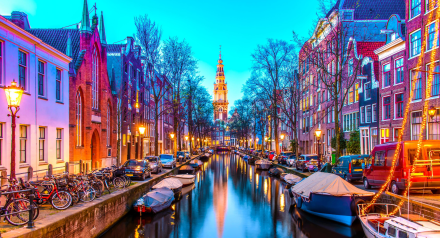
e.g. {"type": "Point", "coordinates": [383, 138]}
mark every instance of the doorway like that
{"type": "Point", "coordinates": [95, 155]}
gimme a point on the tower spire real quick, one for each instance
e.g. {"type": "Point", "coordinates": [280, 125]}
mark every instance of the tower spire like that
{"type": "Point", "coordinates": [102, 30]}
{"type": "Point", "coordinates": [220, 51]}
{"type": "Point", "coordinates": [85, 20]}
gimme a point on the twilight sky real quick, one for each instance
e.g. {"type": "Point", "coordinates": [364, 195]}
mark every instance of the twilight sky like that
{"type": "Point", "coordinates": [238, 25]}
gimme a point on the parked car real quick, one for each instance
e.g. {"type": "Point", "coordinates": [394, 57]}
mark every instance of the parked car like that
{"type": "Point", "coordinates": [282, 158]}
{"type": "Point", "coordinates": [168, 161]}
{"type": "Point", "coordinates": [302, 161]}
{"type": "Point", "coordinates": [349, 167]}
{"type": "Point", "coordinates": [187, 155]}
{"type": "Point", "coordinates": [291, 160]}
{"type": "Point", "coordinates": [137, 169]}
{"type": "Point", "coordinates": [271, 155]}
{"type": "Point", "coordinates": [181, 156]}
{"type": "Point", "coordinates": [427, 166]}
{"type": "Point", "coordinates": [155, 164]}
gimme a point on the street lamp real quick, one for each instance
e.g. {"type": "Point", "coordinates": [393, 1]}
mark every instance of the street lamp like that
{"type": "Point", "coordinates": [282, 138]}
{"type": "Point", "coordinates": [432, 112]}
{"type": "Point", "coordinates": [318, 137]}
{"type": "Point", "coordinates": [142, 132]}
{"type": "Point", "coordinates": [13, 96]}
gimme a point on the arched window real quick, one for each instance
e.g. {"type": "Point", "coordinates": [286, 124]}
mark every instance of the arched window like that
{"type": "Point", "coordinates": [109, 128]}
{"type": "Point", "coordinates": [78, 119]}
{"type": "Point", "coordinates": [95, 78]}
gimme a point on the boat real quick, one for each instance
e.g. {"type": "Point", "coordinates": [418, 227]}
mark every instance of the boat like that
{"type": "Point", "coordinates": [171, 183]}
{"type": "Point", "coordinates": [186, 169]}
{"type": "Point", "coordinates": [185, 179]}
{"type": "Point", "coordinates": [379, 223]}
{"type": "Point", "coordinates": [329, 196]}
{"type": "Point", "coordinates": [275, 172]}
{"type": "Point", "coordinates": [155, 201]}
{"type": "Point", "coordinates": [292, 179]}
{"type": "Point", "coordinates": [195, 163]}
{"type": "Point", "coordinates": [262, 164]}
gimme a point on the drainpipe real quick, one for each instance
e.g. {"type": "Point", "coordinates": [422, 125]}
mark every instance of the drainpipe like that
{"type": "Point", "coordinates": [36, 109]}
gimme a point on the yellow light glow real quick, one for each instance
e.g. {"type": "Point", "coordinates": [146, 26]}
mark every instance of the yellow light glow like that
{"type": "Point", "coordinates": [282, 205]}
{"type": "Point", "coordinates": [142, 130]}
{"type": "Point", "coordinates": [13, 94]}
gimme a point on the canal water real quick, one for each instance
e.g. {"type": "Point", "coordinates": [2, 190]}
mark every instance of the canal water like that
{"type": "Point", "coordinates": [231, 199]}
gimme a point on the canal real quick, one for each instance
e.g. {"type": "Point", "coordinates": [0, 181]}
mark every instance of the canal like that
{"type": "Point", "coordinates": [231, 199]}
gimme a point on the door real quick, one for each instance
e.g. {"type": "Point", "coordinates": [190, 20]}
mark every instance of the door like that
{"type": "Point", "coordinates": [378, 168]}
{"type": "Point", "coordinates": [95, 153]}
{"type": "Point", "coordinates": [128, 151]}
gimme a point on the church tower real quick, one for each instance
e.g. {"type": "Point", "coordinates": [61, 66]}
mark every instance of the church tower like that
{"type": "Point", "coordinates": [220, 93]}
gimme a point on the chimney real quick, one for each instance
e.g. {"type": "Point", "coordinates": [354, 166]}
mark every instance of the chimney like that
{"type": "Point", "coordinates": [20, 19]}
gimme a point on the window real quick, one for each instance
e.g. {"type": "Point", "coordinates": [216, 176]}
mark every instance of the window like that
{"type": "Point", "coordinates": [399, 71]}
{"type": "Point", "coordinates": [384, 135]}
{"type": "Point", "coordinates": [1, 142]}
{"type": "Point", "coordinates": [41, 78]}
{"type": "Point", "coordinates": [362, 114]}
{"type": "Point", "coordinates": [416, 43]}
{"type": "Point", "coordinates": [386, 109]}
{"type": "Point", "coordinates": [348, 16]}
{"type": "Point", "coordinates": [59, 143]}
{"type": "Point", "coordinates": [78, 119]}
{"type": "Point", "coordinates": [417, 93]}
{"type": "Point", "coordinates": [23, 142]}
{"type": "Point", "coordinates": [434, 126]}
{"type": "Point", "coordinates": [416, 123]}
{"type": "Point", "coordinates": [368, 112]}
{"type": "Point", "coordinates": [379, 159]}
{"type": "Point", "coordinates": [373, 113]}
{"type": "Point", "coordinates": [333, 114]}
{"type": "Point", "coordinates": [22, 69]}
{"type": "Point", "coordinates": [399, 105]}
{"type": "Point", "coordinates": [430, 4]}
{"type": "Point", "coordinates": [365, 140]}
{"type": "Point", "coordinates": [403, 234]}
{"type": "Point", "coordinates": [367, 87]}
{"type": "Point", "coordinates": [351, 121]}
{"type": "Point", "coordinates": [95, 78]}
{"type": "Point", "coordinates": [58, 85]}
{"type": "Point", "coordinates": [41, 143]}
{"type": "Point", "coordinates": [356, 92]}
{"type": "Point", "coordinates": [432, 37]}
{"type": "Point", "coordinates": [396, 133]}
{"type": "Point", "coordinates": [416, 7]}
{"type": "Point", "coordinates": [108, 124]}
{"type": "Point", "coordinates": [351, 95]}
{"type": "Point", "coordinates": [386, 75]}
{"type": "Point", "coordinates": [435, 86]}
{"type": "Point", "coordinates": [350, 67]}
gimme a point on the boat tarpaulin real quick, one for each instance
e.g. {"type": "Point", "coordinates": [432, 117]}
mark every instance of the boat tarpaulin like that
{"type": "Point", "coordinates": [291, 178]}
{"type": "Point", "coordinates": [171, 183]}
{"type": "Point", "coordinates": [327, 183]}
{"type": "Point", "coordinates": [158, 197]}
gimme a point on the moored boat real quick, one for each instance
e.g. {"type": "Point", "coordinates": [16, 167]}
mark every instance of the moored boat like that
{"type": "Point", "coordinates": [155, 201]}
{"type": "Point", "coordinates": [262, 164]}
{"type": "Point", "coordinates": [185, 179]}
{"type": "Point", "coordinates": [195, 163]}
{"type": "Point", "coordinates": [186, 169]}
{"type": "Point", "coordinates": [329, 196]}
{"type": "Point", "coordinates": [292, 179]}
{"type": "Point", "coordinates": [171, 183]}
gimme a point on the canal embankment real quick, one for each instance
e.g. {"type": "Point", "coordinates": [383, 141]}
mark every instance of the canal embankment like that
{"type": "Point", "coordinates": [93, 218]}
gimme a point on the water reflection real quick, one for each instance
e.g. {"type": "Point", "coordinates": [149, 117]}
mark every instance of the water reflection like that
{"type": "Point", "coordinates": [231, 199]}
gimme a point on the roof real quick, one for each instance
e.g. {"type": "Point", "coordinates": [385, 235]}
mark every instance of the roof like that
{"type": "Point", "coordinates": [371, 9]}
{"type": "Point", "coordinates": [366, 49]}
{"type": "Point", "coordinates": [114, 48]}
{"type": "Point", "coordinates": [57, 38]}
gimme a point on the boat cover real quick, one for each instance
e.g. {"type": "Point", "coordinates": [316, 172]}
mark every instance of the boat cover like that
{"type": "Point", "coordinates": [276, 171]}
{"type": "Point", "coordinates": [326, 183]}
{"type": "Point", "coordinates": [186, 167]}
{"type": "Point", "coordinates": [292, 179]}
{"type": "Point", "coordinates": [158, 197]}
{"type": "Point", "coordinates": [185, 176]}
{"type": "Point", "coordinates": [262, 162]}
{"type": "Point", "coordinates": [196, 161]}
{"type": "Point", "coordinates": [170, 183]}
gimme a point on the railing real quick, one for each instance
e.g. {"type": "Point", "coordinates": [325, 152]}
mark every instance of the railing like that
{"type": "Point", "coordinates": [31, 223]}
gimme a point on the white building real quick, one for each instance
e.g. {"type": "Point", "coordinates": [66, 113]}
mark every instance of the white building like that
{"type": "Point", "coordinates": [42, 129]}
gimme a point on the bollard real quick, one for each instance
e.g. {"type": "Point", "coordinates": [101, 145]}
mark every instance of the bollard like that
{"type": "Point", "coordinates": [31, 210]}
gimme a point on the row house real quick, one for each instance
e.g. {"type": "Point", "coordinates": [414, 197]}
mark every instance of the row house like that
{"type": "Point", "coordinates": [92, 118]}
{"type": "Point", "coordinates": [42, 126]}
{"type": "Point", "coordinates": [125, 68]}
{"type": "Point", "coordinates": [360, 23]}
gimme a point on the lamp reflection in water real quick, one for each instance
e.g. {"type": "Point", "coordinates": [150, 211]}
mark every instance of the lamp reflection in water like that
{"type": "Point", "coordinates": [250, 174]}
{"type": "Point", "coordinates": [282, 205]}
{"type": "Point", "coordinates": [265, 186]}
{"type": "Point", "coordinates": [257, 179]}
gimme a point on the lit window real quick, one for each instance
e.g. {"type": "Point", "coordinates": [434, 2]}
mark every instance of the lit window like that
{"type": "Point", "coordinates": [356, 92]}
{"type": "Point", "coordinates": [384, 135]}
{"type": "Point", "coordinates": [41, 143]}
{"type": "Point", "coordinates": [416, 43]}
{"type": "Point", "coordinates": [430, 4]}
{"type": "Point", "coordinates": [59, 143]}
{"type": "Point", "coordinates": [416, 123]}
{"type": "Point", "coordinates": [399, 71]}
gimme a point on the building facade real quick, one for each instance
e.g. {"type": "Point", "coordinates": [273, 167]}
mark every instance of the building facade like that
{"type": "Point", "coordinates": [42, 129]}
{"type": "Point", "coordinates": [220, 135]}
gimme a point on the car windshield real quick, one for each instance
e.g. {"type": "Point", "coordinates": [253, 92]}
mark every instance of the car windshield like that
{"type": "Point", "coordinates": [130, 163]}
{"type": "Point", "coordinates": [180, 153]}
{"type": "Point", "coordinates": [310, 157]}
{"type": "Point", "coordinates": [166, 157]}
{"type": "Point", "coordinates": [152, 159]}
{"type": "Point", "coordinates": [286, 153]}
{"type": "Point", "coordinates": [357, 162]}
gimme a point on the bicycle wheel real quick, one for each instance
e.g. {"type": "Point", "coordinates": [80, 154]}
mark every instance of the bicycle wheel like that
{"type": "Point", "coordinates": [119, 183]}
{"type": "Point", "coordinates": [107, 186]}
{"type": "Point", "coordinates": [87, 194]}
{"type": "Point", "coordinates": [98, 189]}
{"type": "Point", "coordinates": [61, 201]}
{"type": "Point", "coordinates": [127, 180]}
{"type": "Point", "coordinates": [20, 209]}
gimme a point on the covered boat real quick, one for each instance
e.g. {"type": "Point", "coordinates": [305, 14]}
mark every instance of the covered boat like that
{"type": "Point", "coordinates": [195, 163]}
{"type": "Point", "coordinates": [292, 179]}
{"type": "Point", "coordinates": [276, 172]}
{"type": "Point", "coordinates": [329, 196]}
{"type": "Point", "coordinates": [186, 169]}
{"type": "Point", "coordinates": [155, 201]}
{"type": "Point", "coordinates": [185, 179]}
{"type": "Point", "coordinates": [262, 164]}
{"type": "Point", "coordinates": [171, 183]}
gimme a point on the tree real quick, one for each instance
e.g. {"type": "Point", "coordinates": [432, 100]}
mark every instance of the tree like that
{"type": "Point", "coordinates": [354, 144]}
{"type": "Point", "coordinates": [342, 142]}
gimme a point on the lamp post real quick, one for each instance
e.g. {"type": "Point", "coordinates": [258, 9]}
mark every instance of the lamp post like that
{"type": "Point", "coordinates": [13, 96]}
{"type": "Point", "coordinates": [142, 133]}
{"type": "Point", "coordinates": [256, 143]}
{"type": "Point", "coordinates": [174, 144]}
{"type": "Point", "coordinates": [186, 138]}
{"type": "Point", "coordinates": [281, 144]}
{"type": "Point", "coordinates": [318, 138]}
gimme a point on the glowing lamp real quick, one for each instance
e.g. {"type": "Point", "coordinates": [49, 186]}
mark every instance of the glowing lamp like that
{"type": "Point", "coordinates": [282, 136]}
{"type": "Point", "coordinates": [318, 133]}
{"type": "Point", "coordinates": [13, 95]}
{"type": "Point", "coordinates": [142, 130]}
{"type": "Point", "coordinates": [198, 139]}
{"type": "Point", "coordinates": [172, 135]}
{"type": "Point", "coordinates": [186, 137]}
{"type": "Point", "coordinates": [431, 111]}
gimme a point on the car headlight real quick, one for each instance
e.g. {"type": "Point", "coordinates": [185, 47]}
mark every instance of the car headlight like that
{"type": "Point", "coordinates": [140, 202]}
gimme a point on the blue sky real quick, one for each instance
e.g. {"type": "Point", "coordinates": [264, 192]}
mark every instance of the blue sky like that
{"type": "Point", "coordinates": [238, 25]}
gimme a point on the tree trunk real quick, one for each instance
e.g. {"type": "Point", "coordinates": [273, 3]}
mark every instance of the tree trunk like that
{"type": "Point", "coordinates": [156, 131]}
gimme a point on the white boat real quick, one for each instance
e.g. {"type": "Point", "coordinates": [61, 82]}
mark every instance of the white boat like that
{"type": "Point", "coordinates": [185, 179]}
{"type": "Point", "coordinates": [262, 164]}
{"type": "Point", "coordinates": [292, 179]}
{"type": "Point", "coordinates": [172, 183]}
{"type": "Point", "coordinates": [380, 224]}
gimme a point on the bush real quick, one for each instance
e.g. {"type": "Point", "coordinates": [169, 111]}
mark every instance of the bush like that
{"type": "Point", "coordinates": [354, 144]}
{"type": "Point", "coordinates": [342, 143]}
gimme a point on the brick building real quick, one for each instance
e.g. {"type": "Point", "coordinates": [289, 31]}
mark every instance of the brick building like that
{"type": "Point", "coordinates": [92, 119]}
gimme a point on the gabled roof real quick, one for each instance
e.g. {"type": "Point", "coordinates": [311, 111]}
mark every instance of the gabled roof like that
{"type": "Point", "coordinates": [366, 49]}
{"type": "Point", "coordinates": [114, 48]}
{"type": "Point", "coordinates": [371, 9]}
{"type": "Point", "coordinates": [57, 38]}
